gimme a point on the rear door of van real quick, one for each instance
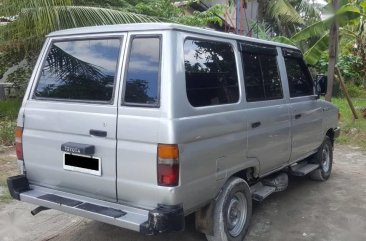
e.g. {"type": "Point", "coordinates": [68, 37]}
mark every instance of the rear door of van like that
{"type": "Point", "coordinates": [139, 120]}
{"type": "Point", "coordinates": [69, 136]}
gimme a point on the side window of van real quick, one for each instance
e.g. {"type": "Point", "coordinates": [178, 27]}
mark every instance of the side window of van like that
{"type": "Point", "coordinates": [79, 70]}
{"type": "Point", "coordinates": [299, 79]}
{"type": "Point", "coordinates": [211, 75]}
{"type": "Point", "coordinates": [143, 72]}
{"type": "Point", "coordinates": [261, 75]}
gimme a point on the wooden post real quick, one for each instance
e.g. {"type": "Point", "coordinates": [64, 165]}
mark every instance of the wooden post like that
{"type": "Point", "coordinates": [345, 91]}
{"type": "Point", "coordinates": [333, 52]}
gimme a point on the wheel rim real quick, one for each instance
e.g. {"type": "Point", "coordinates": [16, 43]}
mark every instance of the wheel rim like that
{"type": "Point", "coordinates": [325, 158]}
{"type": "Point", "coordinates": [236, 214]}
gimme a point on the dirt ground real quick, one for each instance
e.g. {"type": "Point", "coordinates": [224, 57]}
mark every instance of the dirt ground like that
{"type": "Point", "coordinates": [307, 210]}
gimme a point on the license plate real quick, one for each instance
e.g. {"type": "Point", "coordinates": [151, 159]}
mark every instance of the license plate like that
{"type": "Point", "coordinates": [82, 163]}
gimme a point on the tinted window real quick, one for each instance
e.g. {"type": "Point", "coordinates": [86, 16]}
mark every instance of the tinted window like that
{"type": "Point", "coordinates": [299, 79]}
{"type": "Point", "coordinates": [253, 77]}
{"type": "Point", "coordinates": [262, 80]}
{"type": "Point", "coordinates": [142, 80]}
{"type": "Point", "coordinates": [271, 78]}
{"type": "Point", "coordinates": [80, 70]}
{"type": "Point", "coordinates": [211, 77]}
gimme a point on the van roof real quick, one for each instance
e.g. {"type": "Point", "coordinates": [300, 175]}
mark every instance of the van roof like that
{"type": "Point", "coordinates": [158, 26]}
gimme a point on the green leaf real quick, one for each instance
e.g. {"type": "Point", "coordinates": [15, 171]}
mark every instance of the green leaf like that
{"type": "Point", "coordinates": [345, 16]}
{"type": "Point", "coordinates": [284, 40]}
{"type": "Point", "coordinates": [347, 13]}
{"type": "Point", "coordinates": [363, 5]}
{"type": "Point", "coordinates": [32, 24]}
{"type": "Point", "coordinates": [283, 10]}
{"type": "Point", "coordinates": [316, 29]}
{"type": "Point", "coordinates": [313, 54]}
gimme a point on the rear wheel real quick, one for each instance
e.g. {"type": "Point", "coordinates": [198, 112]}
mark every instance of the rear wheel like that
{"type": "Point", "coordinates": [233, 211]}
{"type": "Point", "coordinates": [324, 157]}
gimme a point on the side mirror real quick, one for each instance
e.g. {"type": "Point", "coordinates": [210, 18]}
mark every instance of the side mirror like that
{"type": "Point", "coordinates": [321, 82]}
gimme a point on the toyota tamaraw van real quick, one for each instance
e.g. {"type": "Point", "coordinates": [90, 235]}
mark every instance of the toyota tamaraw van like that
{"type": "Point", "coordinates": [140, 125]}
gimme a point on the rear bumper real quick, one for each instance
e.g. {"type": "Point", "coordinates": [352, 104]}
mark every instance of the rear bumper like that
{"type": "Point", "coordinates": [337, 132]}
{"type": "Point", "coordinates": [165, 218]}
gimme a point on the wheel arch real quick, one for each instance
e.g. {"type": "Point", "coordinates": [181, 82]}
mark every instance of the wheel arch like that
{"type": "Point", "coordinates": [204, 216]}
{"type": "Point", "coordinates": [249, 174]}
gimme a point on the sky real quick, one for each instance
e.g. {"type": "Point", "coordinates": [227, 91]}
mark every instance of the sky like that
{"type": "Point", "coordinates": [321, 1]}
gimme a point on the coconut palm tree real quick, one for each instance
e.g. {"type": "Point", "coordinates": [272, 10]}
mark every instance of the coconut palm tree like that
{"type": "Point", "coordinates": [36, 18]}
{"type": "Point", "coordinates": [286, 17]}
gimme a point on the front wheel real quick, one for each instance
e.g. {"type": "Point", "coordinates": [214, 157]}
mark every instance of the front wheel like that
{"type": "Point", "coordinates": [324, 157]}
{"type": "Point", "coordinates": [233, 211]}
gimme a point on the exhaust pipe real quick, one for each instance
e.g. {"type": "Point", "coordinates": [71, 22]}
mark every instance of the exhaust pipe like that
{"type": "Point", "coordinates": [37, 210]}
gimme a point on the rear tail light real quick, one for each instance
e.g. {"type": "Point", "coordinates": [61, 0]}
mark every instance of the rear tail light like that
{"type": "Point", "coordinates": [18, 142]}
{"type": "Point", "coordinates": [168, 165]}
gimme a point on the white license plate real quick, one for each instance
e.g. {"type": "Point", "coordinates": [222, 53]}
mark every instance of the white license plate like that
{"type": "Point", "coordinates": [81, 163]}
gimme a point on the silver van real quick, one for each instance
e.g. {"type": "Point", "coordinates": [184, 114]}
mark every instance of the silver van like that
{"type": "Point", "coordinates": [141, 125]}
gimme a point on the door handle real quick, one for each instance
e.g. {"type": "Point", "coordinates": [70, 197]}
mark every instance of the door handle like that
{"type": "Point", "coordinates": [298, 116]}
{"type": "Point", "coordinates": [256, 124]}
{"type": "Point", "coordinates": [98, 133]}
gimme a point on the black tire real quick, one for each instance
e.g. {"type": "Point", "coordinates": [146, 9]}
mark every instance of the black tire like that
{"type": "Point", "coordinates": [324, 157]}
{"type": "Point", "coordinates": [233, 193]}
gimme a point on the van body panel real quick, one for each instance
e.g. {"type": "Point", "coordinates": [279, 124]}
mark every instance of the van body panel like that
{"type": "Point", "coordinates": [48, 125]}
{"type": "Point", "coordinates": [211, 145]}
{"type": "Point", "coordinates": [270, 142]}
{"type": "Point", "coordinates": [329, 115]}
{"type": "Point", "coordinates": [307, 134]}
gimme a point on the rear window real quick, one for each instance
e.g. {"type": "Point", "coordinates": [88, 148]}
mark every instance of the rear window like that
{"type": "Point", "coordinates": [80, 70]}
{"type": "Point", "coordinates": [143, 72]}
{"type": "Point", "coordinates": [211, 76]}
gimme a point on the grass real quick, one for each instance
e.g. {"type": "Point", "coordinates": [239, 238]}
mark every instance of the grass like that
{"type": "Point", "coordinates": [8, 114]}
{"type": "Point", "coordinates": [9, 108]}
{"type": "Point", "coordinates": [8, 166]}
{"type": "Point", "coordinates": [353, 132]}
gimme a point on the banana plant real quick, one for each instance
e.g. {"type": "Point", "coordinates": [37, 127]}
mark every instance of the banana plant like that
{"type": "Point", "coordinates": [346, 16]}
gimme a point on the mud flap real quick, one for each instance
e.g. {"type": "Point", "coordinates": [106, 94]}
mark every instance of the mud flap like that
{"type": "Point", "coordinates": [163, 219]}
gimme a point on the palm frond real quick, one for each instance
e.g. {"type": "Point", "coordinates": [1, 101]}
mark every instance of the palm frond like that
{"type": "Point", "coordinates": [61, 64]}
{"type": "Point", "coordinates": [13, 7]}
{"type": "Point", "coordinates": [33, 23]}
{"type": "Point", "coordinates": [285, 11]}
{"type": "Point", "coordinates": [306, 8]}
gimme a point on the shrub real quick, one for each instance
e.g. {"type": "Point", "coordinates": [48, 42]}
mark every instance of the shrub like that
{"type": "Point", "coordinates": [356, 91]}
{"type": "Point", "coordinates": [8, 114]}
{"type": "Point", "coordinates": [7, 128]}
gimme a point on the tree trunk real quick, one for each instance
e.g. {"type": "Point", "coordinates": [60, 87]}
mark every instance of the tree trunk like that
{"type": "Point", "coordinates": [262, 9]}
{"type": "Point", "coordinates": [333, 53]}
